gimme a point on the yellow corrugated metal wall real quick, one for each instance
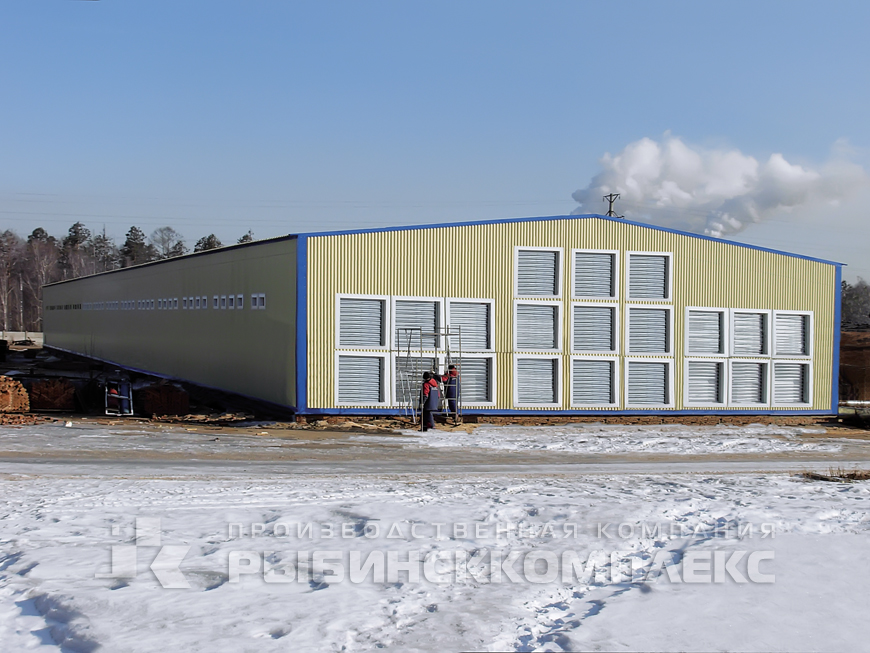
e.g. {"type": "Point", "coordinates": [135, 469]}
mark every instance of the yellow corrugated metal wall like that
{"type": "Point", "coordinates": [477, 261]}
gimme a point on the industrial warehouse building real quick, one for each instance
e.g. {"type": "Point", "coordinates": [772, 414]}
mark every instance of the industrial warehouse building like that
{"type": "Point", "coordinates": [564, 315]}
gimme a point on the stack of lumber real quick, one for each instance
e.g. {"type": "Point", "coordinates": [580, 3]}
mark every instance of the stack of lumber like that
{"type": "Point", "coordinates": [13, 396]}
{"type": "Point", "coordinates": [164, 399]}
{"type": "Point", "coordinates": [53, 394]}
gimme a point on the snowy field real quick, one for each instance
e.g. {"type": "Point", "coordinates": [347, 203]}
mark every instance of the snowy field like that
{"type": "Point", "coordinates": [486, 541]}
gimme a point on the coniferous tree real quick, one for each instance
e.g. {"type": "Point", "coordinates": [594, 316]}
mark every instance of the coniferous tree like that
{"type": "Point", "coordinates": [135, 250]}
{"type": "Point", "coordinates": [207, 242]}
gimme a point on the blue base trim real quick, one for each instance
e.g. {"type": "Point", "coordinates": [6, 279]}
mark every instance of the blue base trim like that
{"type": "Point", "coordinates": [121, 366]}
{"type": "Point", "coordinates": [569, 413]}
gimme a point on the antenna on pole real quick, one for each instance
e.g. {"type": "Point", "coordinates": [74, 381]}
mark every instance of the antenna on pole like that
{"type": "Point", "coordinates": [610, 199]}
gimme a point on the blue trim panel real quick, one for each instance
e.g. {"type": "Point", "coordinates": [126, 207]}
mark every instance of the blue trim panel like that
{"type": "Point", "coordinates": [569, 413]}
{"type": "Point", "coordinates": [302, 322]}
{"type": "Point", "coordinates": [835, 373]}
{"type": "Point", "coordinates": [565, 217]}
{"type": "Point", "coordinates": [170, 378]}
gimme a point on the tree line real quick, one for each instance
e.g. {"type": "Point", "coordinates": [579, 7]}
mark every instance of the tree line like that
{"type": "Point", "coordinates": [27, 264]}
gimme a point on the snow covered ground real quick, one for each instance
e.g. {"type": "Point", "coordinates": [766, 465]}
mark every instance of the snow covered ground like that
{"type": "Point", "coordinates": [59, 522]}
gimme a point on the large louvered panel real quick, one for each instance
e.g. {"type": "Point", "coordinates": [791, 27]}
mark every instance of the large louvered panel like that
{"type": "Point", "coordinates": [537, 273]}
{"type": "Point", "coordinates": [791, 332]}
{"type": "Point", "coordinates": [705, 382]}
{"type": "Point", "coordinates": [472, 320]}
{"type": "Point", "coordinates": [706, 333]}
{"type": "Point", "coordinates": [648, 331]}
{"type": "Point", "coordinates": [593, 328]}
{"type": "Point", "coordinates": [361, 323]}
{"type": "Point", "coordinates": [592, 382]}
{"type": "Point", "coordinates": [593, 275]}
{"type": "Point", "coordinates": [536, 380]}
{"type": "Point", "coordinates": [790, 383]}
{"type": "Point", "coordinates": [475, 381]}
{"type": "Point", "coordinates": [536, 326]}
{"type": "Point", "coordinates": [648, 277]}
{"type": "Point", "coordinates": [750, 334]}
{"type": "Point", "coordinates": [647, 383]}
{"type": "Point", "coordinates": [413, 314]}
{"type": "Point", "coordinates": [748, 382]}
{"type": "Point", "coordinates": [360, 379]}
{"type": "Point", "coordinates": [408, 377]}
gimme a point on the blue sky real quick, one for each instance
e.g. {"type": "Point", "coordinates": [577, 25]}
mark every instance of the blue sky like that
{"type": "Point", "coordinates": [284, 117]}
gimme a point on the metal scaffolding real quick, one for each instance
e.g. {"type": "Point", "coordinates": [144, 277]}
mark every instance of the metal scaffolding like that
{"type": "Point", "coordinates": [413, 358]}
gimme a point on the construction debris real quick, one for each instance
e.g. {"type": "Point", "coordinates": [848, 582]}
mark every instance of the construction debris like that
{"type": "Point", "coordinates": [13, 396]}
{"type": "Point", "coordinates": [53, 394]}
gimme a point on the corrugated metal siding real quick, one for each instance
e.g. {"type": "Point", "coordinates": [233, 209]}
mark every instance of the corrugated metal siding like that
{"type": "Point", "coordinates": [477, 261]}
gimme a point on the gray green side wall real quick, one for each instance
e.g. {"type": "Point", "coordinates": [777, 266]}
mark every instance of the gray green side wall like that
{"type": "Point", "coordinates": [248, 352]}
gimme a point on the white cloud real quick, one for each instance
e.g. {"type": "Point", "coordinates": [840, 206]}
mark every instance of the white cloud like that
{"type": "Point", "coordinates": [715, 192]}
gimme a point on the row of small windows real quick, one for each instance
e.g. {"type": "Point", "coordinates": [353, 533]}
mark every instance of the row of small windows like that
{"type": "Point", "coordinates": [258, 301]}
{"type": "Point", "coordinates": [594, 274]}
{"type": "Point", "coordinates": [361, 379]}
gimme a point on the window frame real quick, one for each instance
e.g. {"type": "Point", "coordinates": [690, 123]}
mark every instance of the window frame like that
{"type": "Point", "coordinates": [439, 344]}
{"type": "Point", "coordinates": [559, 372]}
{"type": "Point", "coordinates": [467, 300]}
{"type": "Point", "coordinates": [615, 272]}
{"type": "Point", "coordinates": [223, 302]}
{"type": "Point", "coordinates": [627, 376]}
{"type": "Point", "coordinates": [767, 382]}
{"type": "Point", "coordinates": [337, 335]}
{"type": "Point", "coordinates": [810, 335]}
{"type": "Point", "coordinates": [560, 272]}
{"type": "Point", "coordinates": [615, 335]}
{"type": "Point", "coordinates": [726, 331]}
{"type": "Point", "coordinates": [614, 360]}
{"type": "Point", "coordinates": [559, 319]}
{"type": "Point", "coordinates": [800, 361]}
{"type": "Point", "coordinates": [493, 381]}
{"type": "Point", "coordinates": [670, 273]}
{"type": "Point", "coordinates": [387, 377]}
{"type": "Point", "coordinates": [726, 381]}
{"type": "Point", "coordinates": [627, 331]}
{"type": "Point", "coordinates": [768, 343]}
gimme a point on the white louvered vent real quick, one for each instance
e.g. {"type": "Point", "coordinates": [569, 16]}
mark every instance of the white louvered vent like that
{"type": "Point", "coordinates": [706, 333]}
{"type": "Point", "coordinates": [792, 334]}
{"type": "Point", "coordinates": [791, 383]}
{"type": "Point", "coordinates": [648, 331]}
{"type": "Point", "coordinates": [592, 382]}
{"type": "Point", "coordinates": [536, 381]}
{"type": "Point", "coordinates": [648, 276]}
{"type": "Point", "coordinates": [536, 326]}
{"type": "Point", "coordinates": [750, 334]}
{"type": "Point", "coordinates": [647, 383]}
{"type": "Point", "coordinates": [537, 273]}
{"type": "Point", "coordinates": [473, 318]}
{"type": "Point", "coordinates": [361, 323]}
{"type": "Point", "coordinates": [705, 382]}
{"type": "Point", "coordinates": [412, 314]}
{"type": "Point", "coordinates": [748, 382]}
{"type": "Point", "coordinates": [593, 275]}
{"type": "Point", "coordinates": [360, 379]}
{"type": "Point", "coordinates": [475, 383]}
{"type": "Point", "coordinates": [593, 328]}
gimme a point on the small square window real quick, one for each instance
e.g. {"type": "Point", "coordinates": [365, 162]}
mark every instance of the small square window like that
{"type": "Point", "coordinates": [231, 301]}
{"type": "Point", "coordinates": [204, 302]}
{"type": "Point", "coordinates": [184, 303]}
{"type": "Point", "coordinates": [261, 301]}
{"type": "Point", "coordinates": [215, 302]}
{"type": "Point", "coordinates": [223, 301]}
{"type": "Point", "coordinates": [240, 301]}
{"type": "Point", "coordinates": [175, 302]}
{"type": "Point", "coordinates": [197, 302]}
{"type": "Point", "coordinates": [253, 301]}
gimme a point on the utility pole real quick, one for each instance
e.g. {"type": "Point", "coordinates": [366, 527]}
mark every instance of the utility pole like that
{"type": "Point", "coordinates": [610, 199]}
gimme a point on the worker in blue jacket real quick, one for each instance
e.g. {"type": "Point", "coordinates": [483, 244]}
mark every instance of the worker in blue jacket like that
{"type": "Point", "coordinates": [430, 400]}
{"type": "Point", "coordinates": [451, 391]}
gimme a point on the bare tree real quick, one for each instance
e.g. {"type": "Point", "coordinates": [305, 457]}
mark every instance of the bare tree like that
{"type": "Point", "coordinates": [40, 266]}
{"type": "Point", "coordinates": [168, 242]}
{"type": "Point", "coordinates": [10, 258]}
